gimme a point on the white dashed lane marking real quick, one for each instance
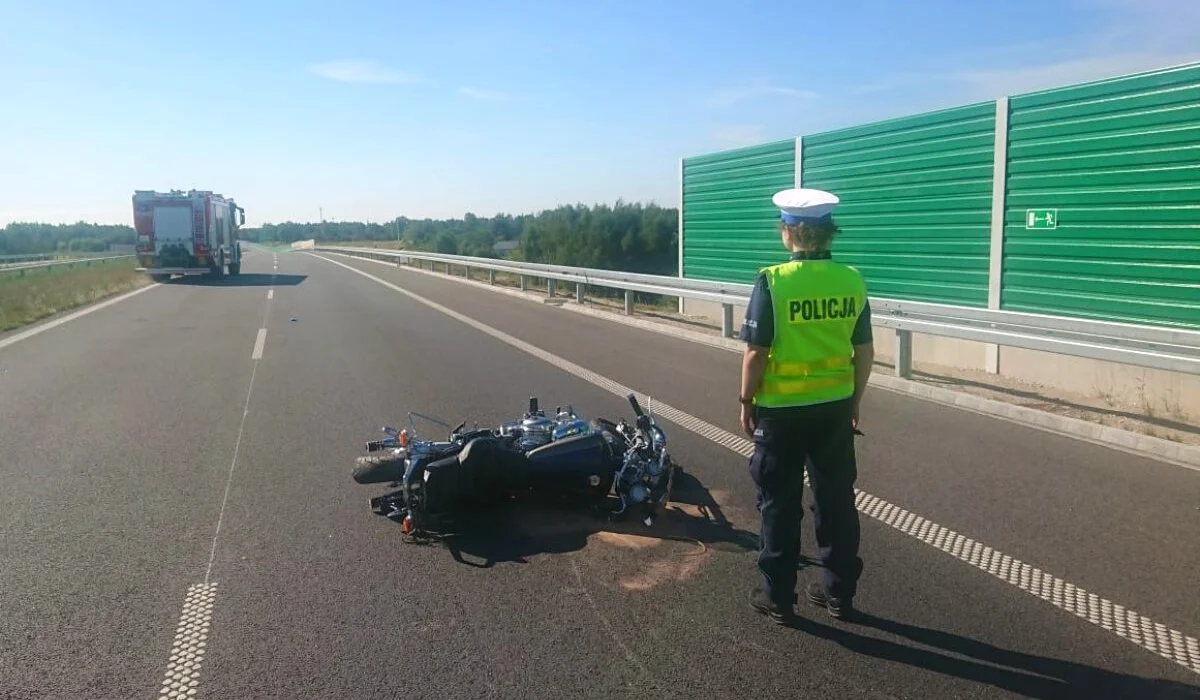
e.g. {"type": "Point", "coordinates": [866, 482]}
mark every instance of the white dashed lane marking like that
{"type": "Point", "coordinates": [259, 342]}
{"type": "Point", "coordinates": [191, 638]}
{"type": "Point", "coordinates": [270, 294]}
{"type": "Point", "coordinates": [1121, 621]}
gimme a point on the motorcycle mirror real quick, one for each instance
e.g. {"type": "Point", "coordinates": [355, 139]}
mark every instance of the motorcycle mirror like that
{"type": "Point", "coordinates": [389, 430]}
{"type": "Point", "coordinates": [431, 419]}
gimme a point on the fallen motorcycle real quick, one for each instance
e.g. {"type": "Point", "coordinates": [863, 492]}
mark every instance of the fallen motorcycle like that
{"type": "Point", "coordinates": [566, 456]}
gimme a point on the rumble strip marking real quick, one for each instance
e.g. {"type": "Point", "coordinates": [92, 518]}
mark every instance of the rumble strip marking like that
{"type": "Point", "coordinates": [183, 669]}
{"type": "Point", "coordinates": [1121, 621]}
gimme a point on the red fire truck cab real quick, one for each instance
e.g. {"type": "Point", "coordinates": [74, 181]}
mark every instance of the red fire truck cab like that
{"type": "Point", "coordinates": [187, 233]}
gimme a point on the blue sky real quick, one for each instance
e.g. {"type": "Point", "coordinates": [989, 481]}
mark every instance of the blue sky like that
{"type": "Point", "coordinates": [374, 109]}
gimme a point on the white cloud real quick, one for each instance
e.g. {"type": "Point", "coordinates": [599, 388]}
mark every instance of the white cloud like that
{"type": "Point", "coordinates": [482, 94]}
{"type": "Point", "coordinates": [993, 83]}
{"type": "Point", "coordinates": [362, 71]}
{"type": "Point", "coordinates": [728, 98]}
{"type": "Point", "coordinates": [1129, 36]}
{"type": "Point", "coordinates": [737, 135]}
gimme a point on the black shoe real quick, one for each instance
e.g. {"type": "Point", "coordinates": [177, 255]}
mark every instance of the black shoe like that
{"type": "Point", "coordinates": [780, 614]}
{"type": "Point", "coordinates": [837, 607]}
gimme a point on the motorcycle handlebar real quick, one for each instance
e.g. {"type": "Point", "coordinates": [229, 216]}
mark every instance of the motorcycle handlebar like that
{"type": "Point", "coordinates": [637, 408]}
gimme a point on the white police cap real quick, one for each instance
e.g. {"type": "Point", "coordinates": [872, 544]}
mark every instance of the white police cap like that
{"type": "Point", "coordinates": [800, 205]}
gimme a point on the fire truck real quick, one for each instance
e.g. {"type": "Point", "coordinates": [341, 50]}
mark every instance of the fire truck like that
{"type": "Point", "coordinates": [187, 233]}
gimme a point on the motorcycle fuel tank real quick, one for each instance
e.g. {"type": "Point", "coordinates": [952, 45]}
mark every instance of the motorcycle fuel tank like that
{"type": "Point", "coordinates": [580, 464]}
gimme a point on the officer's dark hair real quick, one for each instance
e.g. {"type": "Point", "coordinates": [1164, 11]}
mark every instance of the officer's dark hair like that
{"type": "Point", "coordinates": [813, 236]}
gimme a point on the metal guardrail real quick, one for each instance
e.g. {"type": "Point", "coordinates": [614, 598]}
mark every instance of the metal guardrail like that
{"type": "Point", "coordinates": [56, 255]}
{"type": "Point", "coordinates": [1165, 348]}
{"type": "Point", "coordinates": [22, 268]}
{"type": "Point", "coordinates": [27, 257]}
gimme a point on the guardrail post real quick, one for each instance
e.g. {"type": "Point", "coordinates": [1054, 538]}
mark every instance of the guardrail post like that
{"type": "Point", "coordinates": [628, 302]}
{"type": "Point", "coordinates": [903, 353]}
{"type": "Point", "coordinates": [550, 288]}
{"type": "Point", "coordinates": [467, 272]}
{"type": "Point", "coordinates": [996, 247]}
{"type": "Point", "coordinates": [579, 292]}
{"type": "Point", "coordinates": [727, 320]}
{"type": "Point", "coordinates": [491, 276]}
{"type": "Point", "coordinates": [524, 283]}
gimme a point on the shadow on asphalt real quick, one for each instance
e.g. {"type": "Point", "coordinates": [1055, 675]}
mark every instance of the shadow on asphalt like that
{"type": "Point", "coordinates": [249, 279]}
{"type": "Point", "coordinates": [1026, 674]}
{"type": "Point", "coordinates": [517, 530]}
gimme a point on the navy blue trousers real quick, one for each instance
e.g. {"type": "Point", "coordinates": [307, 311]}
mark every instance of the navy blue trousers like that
{"type": "Point", "coordinates": [785, 439]}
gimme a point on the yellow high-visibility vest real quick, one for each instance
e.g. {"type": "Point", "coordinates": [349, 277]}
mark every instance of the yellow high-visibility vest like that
{"type": "Point", "coordinates": [816, 306]}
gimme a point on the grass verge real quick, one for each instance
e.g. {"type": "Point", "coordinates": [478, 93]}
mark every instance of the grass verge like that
{"type": "Point", "coordinates": [43, 292]}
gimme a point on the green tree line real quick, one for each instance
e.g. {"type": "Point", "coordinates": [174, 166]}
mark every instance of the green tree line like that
{"type": "Point", "coordinates": [24, 238]}
{"type": "Point", "coordinates": [626, 236]}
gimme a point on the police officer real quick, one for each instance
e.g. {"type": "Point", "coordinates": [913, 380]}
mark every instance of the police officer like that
{"type": "Point", "coordinates": [808, 356]}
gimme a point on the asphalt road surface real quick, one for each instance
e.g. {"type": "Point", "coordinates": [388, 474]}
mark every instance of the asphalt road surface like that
{"type": "Point", "coordinates": [177, 515]}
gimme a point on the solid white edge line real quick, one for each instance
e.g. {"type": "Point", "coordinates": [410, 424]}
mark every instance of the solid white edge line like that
{"type": "Point", "coordinates": [1121, 621]}
{"type": "Point", "coordinates": [258, 344]}
{"type": "Point", "coordinates": [18, 337]}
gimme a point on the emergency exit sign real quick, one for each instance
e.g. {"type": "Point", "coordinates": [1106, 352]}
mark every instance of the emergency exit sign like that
{"type": "Point", "coordinates": [1041, 218]}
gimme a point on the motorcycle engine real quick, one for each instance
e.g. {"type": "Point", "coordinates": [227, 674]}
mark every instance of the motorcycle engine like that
{"type": "Point", "coordinates": [644, 478]}
{"type": "Point", "coordinates": [534, 431]}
